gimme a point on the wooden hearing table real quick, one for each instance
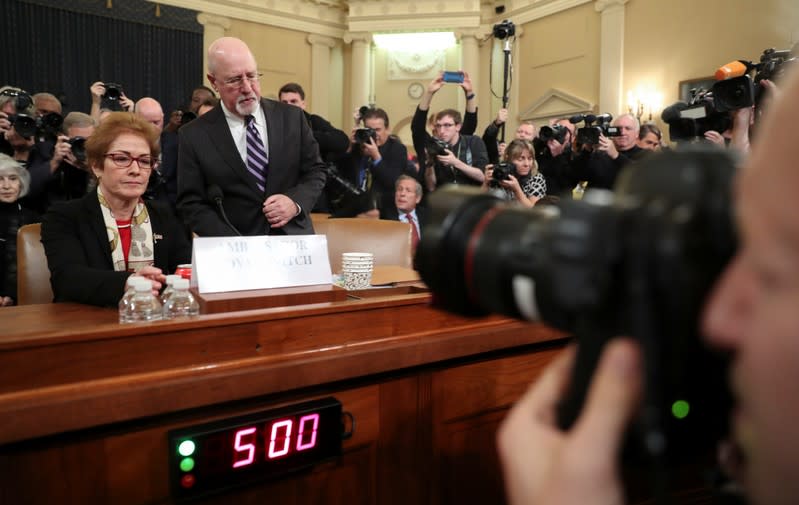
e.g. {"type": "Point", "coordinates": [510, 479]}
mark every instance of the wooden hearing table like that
{"type": "Point", "coordinates": [85, 402]}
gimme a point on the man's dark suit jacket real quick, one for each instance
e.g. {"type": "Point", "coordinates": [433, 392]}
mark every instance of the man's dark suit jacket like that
{"type": "Point", "coordinates": [76, 244]}
{"type": "Point", "coordinates": [391, 213]}
{"type": "Point", "coordinates": [393, 163]}
{"type": "Point", "coordinates": [207, 156]}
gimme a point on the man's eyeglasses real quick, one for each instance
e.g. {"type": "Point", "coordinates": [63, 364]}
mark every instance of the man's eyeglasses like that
{"type": "Point", "coordinates": [445, 125]}
{"type": "Point", "coordinates": [236, 82]}
{"type": "Point", "coordinates": [122, 160]}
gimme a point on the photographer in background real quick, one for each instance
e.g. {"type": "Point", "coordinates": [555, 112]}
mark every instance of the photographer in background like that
{"type": "Point", "coordinates": [419, 134]}
{"type": "Point", "coordinates": [454, 158]}
{"type": "Point", "coordinates": [554, 157]}
{"type": "Point", "coordinates": [70, 173]}
{"type": "Point", "coordinates": [16, 103]}
{"type": "Point", "coordinates": [376, 160]}
{"type": "Point", "coordinates": [517, 175]}
{"type": "Point", "coordinates": [600, 164]}
{"type": "Point", "coordinates": [108, 96]}
{"type": "Point", "coordinates": [752, 314]}
{"type": "Point", "coordinates": [525, 131]}
{"type": "Point", "coordinates": [649, 138]}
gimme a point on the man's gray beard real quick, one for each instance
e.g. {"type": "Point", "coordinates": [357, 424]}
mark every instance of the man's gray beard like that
{"type": "Point", "coordinates": [242, 110]}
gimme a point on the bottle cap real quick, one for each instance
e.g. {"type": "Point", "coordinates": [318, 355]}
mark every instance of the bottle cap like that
{"type": "Point", "coordinates": [143, 287]}
{"type": "Point", "coordinates": [171, 278]}
{"type": "Point", "coordinates": [181, 284]}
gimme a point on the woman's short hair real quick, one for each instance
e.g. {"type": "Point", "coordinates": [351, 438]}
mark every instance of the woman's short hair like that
{"type": "Point", "coordinates": [9, 166]}
{"type": "Point", "coordinates": [115, 124]}
{"type": "Point", "coordinates": [649, 128]}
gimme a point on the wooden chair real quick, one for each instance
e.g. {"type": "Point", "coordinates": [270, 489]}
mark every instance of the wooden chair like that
{"type": "Point", "coordinates": [389, 241]}
{"type": "Point", "coordinates": [33, 276]}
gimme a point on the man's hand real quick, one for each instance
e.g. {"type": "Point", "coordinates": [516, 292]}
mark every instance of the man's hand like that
{"type": "Point", "coordinates": [438, 83]}
{"type": "Point", "coordinates": [372, 150]}
{"type": "Point", "coordinates": [61, 152]}
{"type": "Point", "coordinates": [6, 301]}
{"type": "Point", "coordinates": [97, 90]}
{"type": "Point", "coordinates": [5, 124]}
{"type": "Point", "coordinates": [555, 147]}
{"type": "Point", "coordinates": [467, 85]}
{"type": "Point", "coordinates": [502, 117]}
{"type": "Point", "coordinates": [501, 149]}
{"type": "Point", "coordinates": [608, 146]}
{"type": "Point", "coordinates": [126, 103]}
{"type": "Point", "coordinates": [715, 137]}
{"type": "Point", "coordinates": [279, 210]}
{"type": "Point", "coordinates": [543, 464]}
{"type": "Point", "coordinates": [448, 159]}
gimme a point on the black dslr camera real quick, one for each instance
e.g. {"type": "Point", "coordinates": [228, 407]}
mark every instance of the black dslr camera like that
{"type": "Point", "coordinates": [78, 147]}
{"type": "Point", "coordinates": [113, 91]}
{"type": "Point", "coordinates": [555, 132]}
{"type": "Point", "coordinates": [26, 126]}
{"type": "Point", "coordinates": [362, 135]}
{"type": "Point", "coordinates": [437, 147]}
{"type": "Point", "coordinates": [501, 172]}
{"type": "Point", "coordinates": [504, 30]}
{"type": "Point", "coordinates": [639, 261]}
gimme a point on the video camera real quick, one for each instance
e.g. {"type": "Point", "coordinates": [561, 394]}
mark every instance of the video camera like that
{"type": "Point", "coordinates": [589, 134]}
{"type": "Point", "coordinates": [736, 89]}
{"type": "Point", "coordinates": [639, 261]}
{"type": "Point", "coordinates": [27, 126]}
{"type": "Point", "coordinates": [693, 119]}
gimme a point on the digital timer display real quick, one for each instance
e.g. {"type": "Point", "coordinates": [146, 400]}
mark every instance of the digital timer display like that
{"type": "Point", "coordinates": [216, 456]}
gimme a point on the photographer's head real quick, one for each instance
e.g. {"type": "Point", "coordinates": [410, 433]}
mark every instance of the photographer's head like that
{"type": "Point", "coordinates": [649, 137]}
{"type": "Point", "coordinates": [199, 96]}
{"type": "Point", "coordinates": [753, 311]}
{"type": "Point", "coordinates": [629, 128]}
{"type": "Point", "coordinates": [233, 72]}
{"type": "Point", "coordinates": [292, 94]}
{"type": "Point", "coordinates": [377, 119]}
{"type": "Point", "coordinates": [526, 131]}
{"type": "Point", "coordinates": [522, 154]}
{"type": "Point", "coordinates": [46, 103]}
{"type": "Point", "coordinates": [447, 126]}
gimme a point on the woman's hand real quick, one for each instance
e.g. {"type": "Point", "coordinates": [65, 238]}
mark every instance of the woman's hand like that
{"type": "Point", "coordinates": [154, 275]}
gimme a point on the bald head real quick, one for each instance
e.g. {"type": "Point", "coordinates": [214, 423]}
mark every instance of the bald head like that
{"type": "Point", "coordinates": [233, 72]}
{"type": "Point", "coordinates": [149, 109]}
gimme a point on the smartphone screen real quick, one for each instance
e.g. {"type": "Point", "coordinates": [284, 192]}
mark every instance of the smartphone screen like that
{"type": "Point", "coordinates": [456, 77]}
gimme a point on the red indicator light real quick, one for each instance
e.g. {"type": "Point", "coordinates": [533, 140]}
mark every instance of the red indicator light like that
{"type": "Point", "coordinates": [187, 481]}
{"type": "Point", "coordinates": [245, 452]}
{"type": "Point", "coordinates": [304, 431]}
{"type": "Point", "coordinates": [283, 440]}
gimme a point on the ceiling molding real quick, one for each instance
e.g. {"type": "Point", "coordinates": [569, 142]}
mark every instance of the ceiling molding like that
{"type": "Point", "coordinates": [556, 103]}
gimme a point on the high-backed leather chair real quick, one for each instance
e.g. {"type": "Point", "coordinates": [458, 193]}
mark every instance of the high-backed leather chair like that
{"type": "Point", "coordinates": [33, 276]}
{"type": "Point", "coordinates": [389, 241]}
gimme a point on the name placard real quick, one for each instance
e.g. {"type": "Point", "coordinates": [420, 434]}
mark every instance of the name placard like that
{"type": "Point", "coordinates": [222, 264]}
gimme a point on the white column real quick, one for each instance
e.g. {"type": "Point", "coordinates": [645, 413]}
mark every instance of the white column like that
{"type": "Point", "coordinates": [213, 28]}
{"type": "Point", "coordinates": [470, 60]}
{"type": "Point", "coordinates": [361, 67]}
{"type": "Point", "coordinates": [611, 55]}
{"type": "Point", "coordinates": [320, 73]}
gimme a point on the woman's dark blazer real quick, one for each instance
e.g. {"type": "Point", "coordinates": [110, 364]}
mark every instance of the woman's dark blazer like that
{"type": "Point", "coordinates": [79, 257]}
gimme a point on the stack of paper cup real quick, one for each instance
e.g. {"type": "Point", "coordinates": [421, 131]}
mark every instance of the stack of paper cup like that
{"type": "Point", "coordinates": [356, 269]}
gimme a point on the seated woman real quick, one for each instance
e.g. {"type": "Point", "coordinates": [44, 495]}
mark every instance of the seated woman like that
{"type": "Point", "coordinates": [95, 243]}
{"type": "Point", "coordinates": [525, 183]}
{"type": "Point", "coordinates": [14, 184]}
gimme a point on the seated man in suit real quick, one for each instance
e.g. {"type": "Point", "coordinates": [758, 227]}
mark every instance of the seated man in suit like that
{"type": "Point", "coordinates": [407, 195]}
{"type": "Point", "coordinates": [256, 158]}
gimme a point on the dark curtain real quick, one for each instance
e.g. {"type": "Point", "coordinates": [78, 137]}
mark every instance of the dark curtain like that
{"type": "Point", "coordinates": [47, 49]}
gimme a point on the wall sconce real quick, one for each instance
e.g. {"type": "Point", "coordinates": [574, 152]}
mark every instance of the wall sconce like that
{"type": "Point", "coordinates": [642, 103]}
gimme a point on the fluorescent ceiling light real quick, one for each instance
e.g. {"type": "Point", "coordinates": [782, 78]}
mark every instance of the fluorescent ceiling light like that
{"type": "Point", "coordinates": [411, 42]}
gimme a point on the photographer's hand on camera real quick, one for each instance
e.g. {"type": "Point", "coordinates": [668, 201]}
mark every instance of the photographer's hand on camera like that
{"type": "Point", "coordinates": [715, 137]}
{"type": "Point", "coordinates": [542, 463]}
{"type": "Point", "coordinates": [62, 152]}
{"type": "Point", "coordinates": [5, 124]}
{"type": "Point", "coordinates": [372, 151]}
{"type": "Point", "coordinates": [608, 147]}
{"type": "Point", "coordinates": [126, 103]}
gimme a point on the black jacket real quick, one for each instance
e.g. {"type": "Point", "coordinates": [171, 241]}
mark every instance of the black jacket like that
{"type": "Point", "coordinates": [12, 217]}
{"type": "Point", "coordinates": [79, 255]}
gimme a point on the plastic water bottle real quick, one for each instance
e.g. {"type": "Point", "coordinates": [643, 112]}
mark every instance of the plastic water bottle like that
{"type": "Point", "coordinates": [144, 306]}
{"type": "Point", "coordinates": [181, 303]}
{"type": "Point", "coordinates": [124, 302]}
{"type": "Point", "coordinates": [170, 288]}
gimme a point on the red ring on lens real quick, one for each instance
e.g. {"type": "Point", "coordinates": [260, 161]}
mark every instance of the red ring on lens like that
{"type": "Point", "coordinates": [471, 245]}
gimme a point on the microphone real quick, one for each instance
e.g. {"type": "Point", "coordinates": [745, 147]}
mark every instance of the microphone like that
{"type": "Point", "coordinates": [673, 112]}
{"type": "Point", "coordinates": [215, 194]}
{"type": "Point", "coordinates": [732, 69]}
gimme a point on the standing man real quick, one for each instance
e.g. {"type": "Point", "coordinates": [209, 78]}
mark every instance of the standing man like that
{"type": "Point", "coordinates": [258, 155]}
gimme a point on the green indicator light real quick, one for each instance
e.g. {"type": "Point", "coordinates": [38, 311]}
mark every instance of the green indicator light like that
{"type": "Point", "coordinates": [186, 448]}
{"type": "Point", "coordinates": [187, 464]}
{"type": "Point", "coordinates": [680, 409]}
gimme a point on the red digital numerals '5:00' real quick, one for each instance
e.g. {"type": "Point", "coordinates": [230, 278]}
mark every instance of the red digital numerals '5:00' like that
{"type": "Point", "coordinates": [283, 438]}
